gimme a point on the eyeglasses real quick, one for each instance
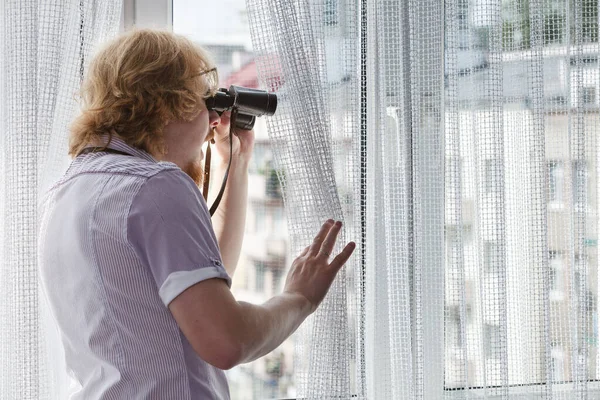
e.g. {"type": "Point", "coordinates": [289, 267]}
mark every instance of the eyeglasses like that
{"type": "Point", "coordinates": [212, 81]}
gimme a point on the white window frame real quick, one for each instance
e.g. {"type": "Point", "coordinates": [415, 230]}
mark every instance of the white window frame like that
{"type": "Point", "coordinates": [147, 14]}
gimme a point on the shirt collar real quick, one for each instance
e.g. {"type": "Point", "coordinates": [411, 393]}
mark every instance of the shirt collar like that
{"type": "Point", "coordinates": [116, 143]}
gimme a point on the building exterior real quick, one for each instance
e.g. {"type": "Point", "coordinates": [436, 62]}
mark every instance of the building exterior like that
{"type": "Point", "coordinates": [264, 260]}
{"type": "Point", "coordinates": [570, 190]}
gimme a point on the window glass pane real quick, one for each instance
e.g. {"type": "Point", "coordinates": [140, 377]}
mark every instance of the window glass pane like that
{"type": "Point", "coordinates": [525, 130]}
{"type": "Point", "coordinates": [259, 276]}
{"type": "Point", "coordinates": [222, 29]}
{"type": "Point", "coordinates": [555, 183]}
{"type": "Point", "coordinates": [579, 184]}
{"type": "Point", "coordinates": [557, 276]}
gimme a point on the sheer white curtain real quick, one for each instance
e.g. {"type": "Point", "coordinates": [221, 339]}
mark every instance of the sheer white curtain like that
{"type": "Point", "coordinates": [316, 130]}
{"type": "Point", "coordinates": [458, 140]}
{"type": "Point", "coordinates": [522, 124]}
{"type": "Point", "coordinates": [45, 47]}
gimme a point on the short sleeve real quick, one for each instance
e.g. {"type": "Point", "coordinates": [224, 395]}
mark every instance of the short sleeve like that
{"type": "Point", "coordinates": [170, 229]}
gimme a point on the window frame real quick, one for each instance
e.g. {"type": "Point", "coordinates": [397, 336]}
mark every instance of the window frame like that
{"type": "Point", "coordinates": [147, 14]}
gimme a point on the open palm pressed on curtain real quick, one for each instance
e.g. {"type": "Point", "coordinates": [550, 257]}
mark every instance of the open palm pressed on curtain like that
{"type": "Point", "coordinates": [459, 142]}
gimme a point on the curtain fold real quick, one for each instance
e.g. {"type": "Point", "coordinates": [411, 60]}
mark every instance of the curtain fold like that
{"type": "Point", "coordinates": [400, 253]}
{"type": "Point", "coordinates": [405, 128]}
{"type": "Point", "coordinates": [311, 128]}
{"type": "Point", "coordinates": [469, 182]}
{"type": "Point", "coordinates": [46, 46]}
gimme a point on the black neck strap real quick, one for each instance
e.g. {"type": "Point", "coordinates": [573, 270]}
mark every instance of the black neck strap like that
{"type": "Point", "coordinates": [213, 208]}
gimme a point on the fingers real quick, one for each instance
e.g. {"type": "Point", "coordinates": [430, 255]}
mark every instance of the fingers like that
{"type": "Point", "coordinates": [329, 242]}
{"type": "Point", "coordinates": [341, 258]}
{"type": "Point", "coordinates": [304, 251]}
{"type": "Point", "coordinates": [317, 242]}
{"type": "Point", "coordinates": [225, 117]}
{"type": "Point", "coordinates": [222, 129]}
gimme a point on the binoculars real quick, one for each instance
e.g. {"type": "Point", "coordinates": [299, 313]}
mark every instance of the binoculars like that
{"type": "Point", "coordinates": [250, 103]}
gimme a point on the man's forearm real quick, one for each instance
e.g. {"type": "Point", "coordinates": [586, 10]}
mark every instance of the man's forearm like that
{"type": "Point", "coordinates": [268, 325]}
{"type": "Point", "coordinates": [230, 218]}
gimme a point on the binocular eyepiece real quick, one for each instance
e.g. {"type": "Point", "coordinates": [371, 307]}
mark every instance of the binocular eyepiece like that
{"type": "Point", "coordinates": [250, 103]}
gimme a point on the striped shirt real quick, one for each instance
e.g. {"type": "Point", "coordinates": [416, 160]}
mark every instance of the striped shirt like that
{"type": "Point", "coordinates": [120, 237]}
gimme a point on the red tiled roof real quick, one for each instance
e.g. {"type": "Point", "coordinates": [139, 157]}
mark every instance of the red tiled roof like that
{"type": "Point", "coordinates": [245, 76]}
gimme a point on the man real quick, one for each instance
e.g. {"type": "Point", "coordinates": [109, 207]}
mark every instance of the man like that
{"type": "Point", "coordinates": [135, 275]}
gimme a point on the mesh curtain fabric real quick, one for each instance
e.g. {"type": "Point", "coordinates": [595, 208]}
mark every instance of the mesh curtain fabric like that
{"type": "Point", "coordinates": [459, 143]}
{"type": "Point", "coordinates": [45, 47]}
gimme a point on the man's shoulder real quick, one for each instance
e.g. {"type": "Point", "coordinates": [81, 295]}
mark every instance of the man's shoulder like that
{"type": "Point", "coordinates": [172, 186]}
{"type": "Point", "coordinates": [170, 195]}
{"type": "Point", "coordinates": [120, 164]}
{"type": "Point", "coordinates": [122, 167]}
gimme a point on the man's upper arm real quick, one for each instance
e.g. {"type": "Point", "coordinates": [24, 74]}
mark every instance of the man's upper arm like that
{"type": "Point", "coordinates": [170, 229]}
{"type": "Point", "coordinates": [211, 320]}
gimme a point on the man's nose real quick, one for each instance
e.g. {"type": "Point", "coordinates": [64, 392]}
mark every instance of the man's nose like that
{"type": "Point", "coordinates": [213, 118]}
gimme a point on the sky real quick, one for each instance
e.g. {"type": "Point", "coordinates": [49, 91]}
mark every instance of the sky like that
{"type": "Point", "coordinates": [212, 22]}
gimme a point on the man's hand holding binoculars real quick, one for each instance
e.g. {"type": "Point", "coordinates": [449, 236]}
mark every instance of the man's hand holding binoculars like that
{"type": "Point", "coordinates": [243, 142]}
{"type": "Point", "coordinates": [246, 104]}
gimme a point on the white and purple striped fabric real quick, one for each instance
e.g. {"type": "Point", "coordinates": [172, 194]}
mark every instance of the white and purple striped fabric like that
{"type": "Point", "coordinates": [120, 237]}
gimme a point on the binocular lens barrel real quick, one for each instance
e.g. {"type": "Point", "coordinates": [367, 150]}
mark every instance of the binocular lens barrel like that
{"type": "Point", "coordinates": [250, 103]}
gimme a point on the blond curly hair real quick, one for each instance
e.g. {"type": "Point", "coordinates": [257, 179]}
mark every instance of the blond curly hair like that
{"type": "Point", "coordinates": [136, 84]}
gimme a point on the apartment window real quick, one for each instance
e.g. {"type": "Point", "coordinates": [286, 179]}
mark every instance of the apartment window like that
{"type": "Point", "coordinates": [579, 271]}
{"type": "Point", "coordinates": [576, 283]}
{"type": "Point", "coordinates": [492, 336]}
{"type": "Point", "coordinates": [553, 27]}
{"type": "Point", "coordinates": [279, 220]}
{"type": "Point", "coordinates": [260, 158]}
{"type": "Point", "coordinates": [556, 182]}
{"type": "Point", "coordinates": [259, 276]}
{"type": "Point", "coordinates": [556, 102]}
{"type": "Point", "coordinates": [453, 246]}
{"type": "Point", "coordinates": [453, 329]}
{"type": "Point", "coordinates": [458, 237]}
{"type": "Point", "coordinates": [557, 363]}
{"type": "Point", "coordinates": [463, 15]}
{"type": "Point", "coordinates": [557, 276]}
{"type": "Point", "coordinates": [588, 95]}
{"type": "Point", "coordinates": [579, 180]}
{"type": "Point", "coordinates": [272, 185]}
{"type": "Point", "coordinates": [582, 285]}
{"type": "Point", "coordinates": [260, 220]}
{"type": "Point", "coordinates": [492, 257]}
{"type": "Point", "coordinates": [330, 12]}
{"type": "Point", "coordinates": [277, 275]}
{"type": "Point", "coordinates": [493, 177]}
